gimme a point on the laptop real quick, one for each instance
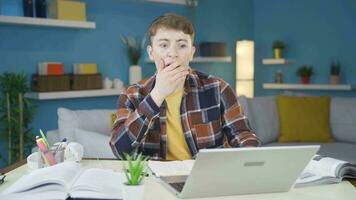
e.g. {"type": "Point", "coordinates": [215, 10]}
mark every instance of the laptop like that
{"type": "Point", "coordinates": [235, 171]}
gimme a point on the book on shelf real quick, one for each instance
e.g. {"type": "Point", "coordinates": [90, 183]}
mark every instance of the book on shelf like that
{"type": "Point", "coordinates": [85, 68]}
{"type": "Point", "coordinates": [325, 170]}
{"type": "Point", "coordinates": [171, 168]}
{"type": "Point", "coordinates": [50, 68]}
{"type": "Point", "coordinates": [65, 180]}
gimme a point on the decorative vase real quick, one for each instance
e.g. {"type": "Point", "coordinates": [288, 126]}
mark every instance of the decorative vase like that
{"type": "Point", "coordinates": [334, 79]}
{"type": "Point", "coordinates": [277, 53]}
{"type": "Point", "coordinates": [135, 74]}
{"type": "Point", "coordinates": [133, 192]}
{"type": "Point", "coordinates": [305, 79]}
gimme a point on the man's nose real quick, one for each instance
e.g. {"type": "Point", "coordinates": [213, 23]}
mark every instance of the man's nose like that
{"type": "Point", "coordinates": [172, 52]}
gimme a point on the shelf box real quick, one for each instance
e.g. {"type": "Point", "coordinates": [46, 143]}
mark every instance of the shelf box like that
{"type": "Point", "coordinates": [283, 86]}
{"type": "Point", "coordinates": [226, 59]}
{"type": "Point", "coordinates": [273, 61]}
{"type": "Point", "coordinates": [31, 21]}
{"type": "Point", "coordinates": [73, 94]}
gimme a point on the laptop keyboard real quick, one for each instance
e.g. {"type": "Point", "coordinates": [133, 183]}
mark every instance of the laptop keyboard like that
{"type": "Point", "coordinates": [177, 186]}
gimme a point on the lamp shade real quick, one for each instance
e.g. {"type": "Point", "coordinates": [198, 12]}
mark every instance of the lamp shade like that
{"type": "Point", "coordinates": [245, 68]}
{"type": "Point", "coordinates": [244, 60]}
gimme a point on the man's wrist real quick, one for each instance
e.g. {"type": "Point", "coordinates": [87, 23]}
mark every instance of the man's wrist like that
{"type": "Point", "coordinates": [157, 98]}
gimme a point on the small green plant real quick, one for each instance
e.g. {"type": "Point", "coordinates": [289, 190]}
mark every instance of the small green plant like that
{"type": "Point", "coordinates": [335, 68]}
{"type": "Point", "coordinates": [305, 71]}
{"type": "Point", "coordinates": [133, 47]}
{"type": "Point", "coordinates": [136, 168]}
{"type": "Point", "coordinates": [278, 44]}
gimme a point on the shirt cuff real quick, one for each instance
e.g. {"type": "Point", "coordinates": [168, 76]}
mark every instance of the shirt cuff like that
{"type": "Point", "coordinates": [149, 108]}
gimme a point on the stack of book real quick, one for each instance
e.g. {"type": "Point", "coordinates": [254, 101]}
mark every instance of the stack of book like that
{"type": "Point", "coordinates": [85, 68]}
{"type": "Point", "coordinates": [50, 68]}
{"type": "Point", "coordinates": [67, 10]}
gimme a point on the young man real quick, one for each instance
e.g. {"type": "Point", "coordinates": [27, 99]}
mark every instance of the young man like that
{"type": "Point", "coordinates": [178, 111]}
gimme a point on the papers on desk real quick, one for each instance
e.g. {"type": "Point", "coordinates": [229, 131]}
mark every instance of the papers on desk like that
{"type": "Point", "coordinates": [171, 168]}
{"type": "Point", "coordinates": [68, 179]}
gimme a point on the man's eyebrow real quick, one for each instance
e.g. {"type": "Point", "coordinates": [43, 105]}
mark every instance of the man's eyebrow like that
{"type": "Point", "coordinates": [182, 40]}
{"type": "Point", "coordinates": [166, 40]}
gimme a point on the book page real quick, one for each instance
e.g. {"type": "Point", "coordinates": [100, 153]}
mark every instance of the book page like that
{"type": "Point", "coordinates": [62, 174]}
{"type": "Point", "coordinates": [321, 170]}
{"type": "Point", "coordinates": [99, 184]}
{"type": "Point", "coordinates": [171, 168]}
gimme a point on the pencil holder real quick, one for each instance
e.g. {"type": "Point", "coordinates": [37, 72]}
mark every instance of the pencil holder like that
{"type": "Point", "coordinates": [34, 161]}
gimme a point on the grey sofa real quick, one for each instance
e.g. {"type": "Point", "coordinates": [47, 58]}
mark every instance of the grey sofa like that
{"type": "Point", "coordinates": [263, 116]}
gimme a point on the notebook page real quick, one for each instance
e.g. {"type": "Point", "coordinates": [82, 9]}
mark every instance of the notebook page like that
{"type": "Point", "coordinates": [98, 183]}
{"type": "Point", "coordinates": [171, 168]}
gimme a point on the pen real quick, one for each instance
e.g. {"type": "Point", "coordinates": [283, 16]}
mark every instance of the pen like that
{"type": "Point", "coordinates": [47, 154]}
{"type": "Point", "coordinates": [45, 139]}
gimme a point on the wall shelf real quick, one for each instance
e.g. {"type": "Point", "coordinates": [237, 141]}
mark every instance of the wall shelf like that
{"type": "Point", "coordinates": [283, 86]}
{"type": "Point", "coordinates": [226, 59]}
{"type": "Point", "coordinates": [73, 94]}
{"type": "Point", "coordinates": [177, 2]}
{"type": "Point", "coordinates": [31, 21]}
{"type": "Point", "coordinates": [273, 61]}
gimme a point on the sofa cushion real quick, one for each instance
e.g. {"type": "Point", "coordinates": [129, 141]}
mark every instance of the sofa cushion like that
{"type": "Point", "coordinates": [343, 119]}
{"type": "Point", "coordinates": [96, 145]}
{"type": "Point", "coordinates": [338, 150]}
{"type": "Point", "coordinates": [304, 119]}
{"type": "Point", "coordinates": [263, 117]}
{"type": "Point", "coordinates": [96, 120]}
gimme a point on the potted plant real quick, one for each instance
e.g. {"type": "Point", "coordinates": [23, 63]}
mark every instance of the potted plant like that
{"type": "Point", "coordinates": [335, 73]}
{"type": "Point", "coordinates": [133, 47]}
{"type": "Point", "coordinates": [16, 114]}
{"type": "Point", "coordinates": [278, 47]}
{"type": "Point", "coordinates": [135, 171]}
{"type": "Point", "coordinates": [305, 72]}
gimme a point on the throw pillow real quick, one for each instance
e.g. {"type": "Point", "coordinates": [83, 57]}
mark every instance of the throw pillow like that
{"type": "Point", "coordinates": [96, 120]}
{"type": "Point", "coordinates": [264, 120]}
{"type": "Point", "coordinates": [95, 145]}
{"type": "Point", "coordinates": [304, 119]}
{"type": "Point", "coordinates": [343, 118]}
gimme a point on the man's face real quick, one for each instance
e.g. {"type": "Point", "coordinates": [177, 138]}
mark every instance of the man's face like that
{"type": "Point", "coordinates": [169, 46]}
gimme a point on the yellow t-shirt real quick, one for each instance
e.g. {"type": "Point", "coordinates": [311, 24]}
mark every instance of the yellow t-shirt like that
{"type": "Point", "coordinates": [177, 146]}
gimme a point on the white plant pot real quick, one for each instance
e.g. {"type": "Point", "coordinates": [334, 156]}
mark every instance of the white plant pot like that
{"type": "Point", "coordinates": [133, 192]}
{"type": "Point", "coordinates": [135, 74]}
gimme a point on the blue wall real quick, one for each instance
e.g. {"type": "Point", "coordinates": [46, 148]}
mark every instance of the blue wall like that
{"type": "Point", "coordinates": [22, 47]}
{"type": "Point", "coordinates": [315, 32]}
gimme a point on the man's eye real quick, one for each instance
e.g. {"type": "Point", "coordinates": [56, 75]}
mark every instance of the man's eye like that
{"type": "Point", "coordinates": [182, 46]}
{"type": "Point", "coordinates": [163, 45]}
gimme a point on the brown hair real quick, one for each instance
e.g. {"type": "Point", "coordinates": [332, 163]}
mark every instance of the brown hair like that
{"type": "Point", "coordinates": [171, 21]}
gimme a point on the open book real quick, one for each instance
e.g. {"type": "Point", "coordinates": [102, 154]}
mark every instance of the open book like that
{"type": "Point", "coordinates": [171, 168]}
{"type": "Point", "coordinates": [68, 179]}
{"type": "Point", "coordinates": [325, 170]}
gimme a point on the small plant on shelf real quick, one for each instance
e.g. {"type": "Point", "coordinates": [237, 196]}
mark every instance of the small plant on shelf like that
{"type": "Point", "coordinates": [278, 46]}
{"type": "Point", "coordinates": [305, 72]}
{"type": "Point", "coordinates": [335, 72]}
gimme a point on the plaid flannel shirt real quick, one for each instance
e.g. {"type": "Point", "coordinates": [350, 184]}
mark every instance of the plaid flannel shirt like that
{"type": "Point", "coordinates": [210, 114]}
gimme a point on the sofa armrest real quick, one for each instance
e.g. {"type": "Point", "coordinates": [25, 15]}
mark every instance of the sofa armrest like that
{"type": "Point", "coordinates": [53, 136]}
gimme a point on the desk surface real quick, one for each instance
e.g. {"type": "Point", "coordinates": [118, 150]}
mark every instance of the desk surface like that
{"type": "Point", "coordinates": [154, 189]}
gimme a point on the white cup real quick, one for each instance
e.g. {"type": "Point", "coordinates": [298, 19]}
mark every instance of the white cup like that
{"type": "Point", "coordinates": [107, 83]}
{"type": "Point", "coordinates": [118, 84]}
{"type": "Point", "coordinates": [34, 161]}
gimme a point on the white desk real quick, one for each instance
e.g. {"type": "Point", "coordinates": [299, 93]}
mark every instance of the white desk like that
{"type": "Point", "coordinates": [154, 190]}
